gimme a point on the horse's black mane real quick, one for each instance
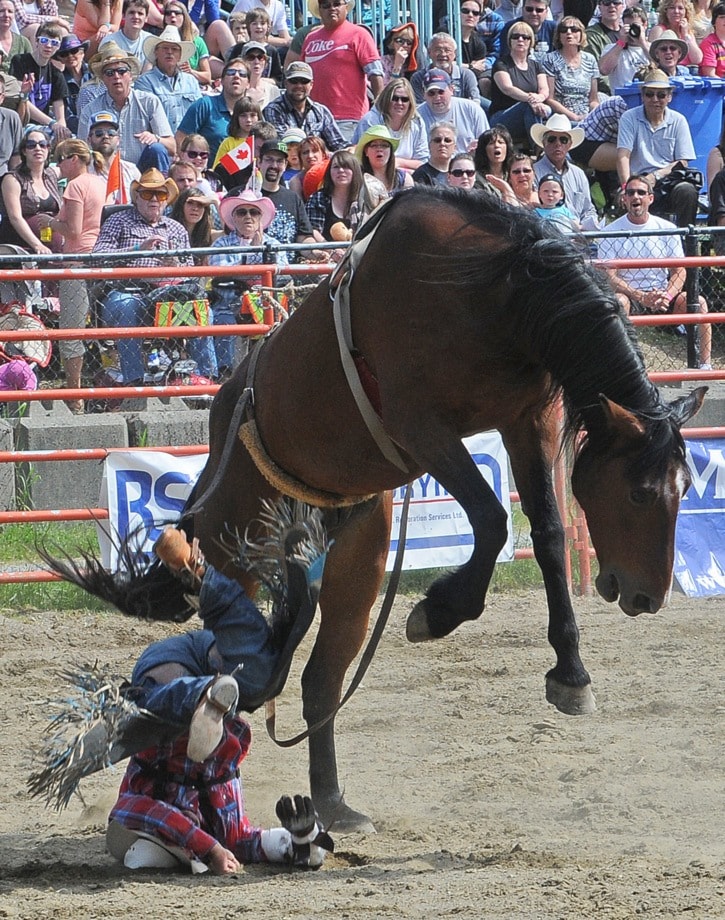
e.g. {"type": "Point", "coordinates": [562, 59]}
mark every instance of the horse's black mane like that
{"type": "Point", "coordinates": [563, 311]}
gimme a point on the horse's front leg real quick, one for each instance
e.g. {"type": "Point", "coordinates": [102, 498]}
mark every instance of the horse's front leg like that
{"type": "Point", "coordinates": [459, 595]}
{"type": "Point", "coordinates": [353, 574]}
{"type": "Point", "coordinates": [568, 686]}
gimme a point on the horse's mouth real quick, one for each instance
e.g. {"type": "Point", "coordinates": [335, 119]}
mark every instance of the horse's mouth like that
{"type": "Point", "coordinates": [609, 588]}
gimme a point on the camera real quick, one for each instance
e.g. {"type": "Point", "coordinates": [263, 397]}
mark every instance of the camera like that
{"type": "Point", "coordinates": [635, 30]}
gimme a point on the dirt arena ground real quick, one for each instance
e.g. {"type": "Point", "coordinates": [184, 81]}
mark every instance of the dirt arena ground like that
{"type": "Point", "coordinates": [488, 803]}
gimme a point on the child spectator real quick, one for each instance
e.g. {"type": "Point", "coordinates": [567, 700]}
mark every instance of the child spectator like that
{"type": "Point", "coordinates": [42, 81]}
{"type": "Point", "coordinates": [552, 204]}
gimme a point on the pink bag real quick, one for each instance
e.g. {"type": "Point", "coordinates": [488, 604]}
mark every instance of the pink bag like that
{"type": "Point", "coordinates": [17, 375]}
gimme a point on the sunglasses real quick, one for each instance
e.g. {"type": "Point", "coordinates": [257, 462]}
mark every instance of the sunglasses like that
{"type": "Point", "coordinates": [400, 99]}
{"type": "Point", "coordinates": [255, 57]}
{"type": "Point", "coordinates": [198, 154]}
{"type": "Point", "coordinates": [173, 13]}
{"type": "Point", "coordinates": [521, 172]}
{"type": "Point", "coordinates": [116, 71]}
{"type": "Point", "coordinates": [668, 49]}
{"type": "Point", "coordinates": [104, 132]}
{"type": "Point", "coordinates": [403, 41]}
{"type": "Point", "coordinates": [662, 94]}
{"type": "Point", "coordinates": [610, 2]}
{"type": "Point", "coordinates": [31, 145]}
{"type": "Point", "coordinates": [443, 140]}
{"type": "Point", "coordinates": [435, 92]}
{"type": "Point", "coordinates": [556, 139]}
{"type": "Point", "coordinates": [459, 173]}
{"type": "Point", "coordinates": [50, 42]}
{"type": "Point", "coordinates": [535, 9]}
{"type": "Point", "coordinates": [64, 54]}
{"type": "Point", "coordinates": [520, 36]}
{"type": "Point", "coordinates": [573, 29]}
{"type": "Point", "coordinates": [60, 160]}
{"type": "Point", "coordinates": [148, 194]}
{"type": "Point", "coordinates": [297, 81]}
{"type": "Point", "coordinates": [235, 72]}
{"type": "Point", "coordinates": [247, 212]}
{"type": "Point", "coordinates": [467, 11]}
{"type": "Point", "coordinates": [631, 192]}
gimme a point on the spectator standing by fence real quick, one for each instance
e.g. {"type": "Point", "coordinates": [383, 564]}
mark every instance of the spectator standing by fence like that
{"type": "Point", "coordinates": [78, 223]}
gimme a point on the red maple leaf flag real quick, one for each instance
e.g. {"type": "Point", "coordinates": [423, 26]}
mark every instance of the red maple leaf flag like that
{"type": "Point", "coordinates": [239, 158]}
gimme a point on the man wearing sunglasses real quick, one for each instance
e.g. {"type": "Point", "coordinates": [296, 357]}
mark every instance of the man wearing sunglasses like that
{"type": "Point", "coordinates": [344, 58]}
{"type": "Point", "coordinates": [536, 14]}
{"type": "Point", "coordinates": [653, 139]}
{"type": "Point", "coordinates": [146, 136]}
{"type": "Point", "coordinates": [210, 115]}
{"type": "Point", "coordinates": [42, 82]}
{"type": "Point", "coordinates": [295, 109]}
{"type": "Point", "coordinates": [104, 138]}
{"type": "Point", "coordinates": [146, 228]}
{"type": "Point", "coordinates": [653, 289]}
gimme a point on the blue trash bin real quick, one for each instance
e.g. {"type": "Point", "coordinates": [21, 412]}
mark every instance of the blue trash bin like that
{"type": "Point", "coordinates": [700, 100]}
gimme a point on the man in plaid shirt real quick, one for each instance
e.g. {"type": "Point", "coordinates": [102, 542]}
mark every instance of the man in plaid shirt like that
{"type": "Point", "coordinates": [171, 812]}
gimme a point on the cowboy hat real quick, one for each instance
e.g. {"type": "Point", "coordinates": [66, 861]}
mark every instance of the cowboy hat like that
{"type": "Point", "coordinates": [111, 53]}
{"type": "Point", "coordinates": [557, 122]}
{"type": "Point", "coordinates": [170, 36]}
{"type": "Point", "coordinates": [375, 133]}
{"type": "Point", "coordinates": [70, 43]}
{"type": "Point", "coordinates": [228, 205]}
{"type": "Point", "coordinates": [670, 38]}
{"type": "Point", "coordinates": [153, 180]}
{"type": "Point", "coordinates": [314, 7]}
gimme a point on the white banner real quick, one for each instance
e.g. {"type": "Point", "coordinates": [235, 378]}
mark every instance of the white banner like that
{"type": "Point", "coordinates": [145, 490]}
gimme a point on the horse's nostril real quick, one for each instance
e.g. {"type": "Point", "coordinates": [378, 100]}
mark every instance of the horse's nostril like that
{"type": "Point", "coordinates": [642, 603]}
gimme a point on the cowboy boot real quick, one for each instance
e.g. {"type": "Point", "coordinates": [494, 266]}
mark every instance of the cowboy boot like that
{"type": "Point", "coordinates": [184, 559]}
{"type": "Point", "coordinates": [207, 723]}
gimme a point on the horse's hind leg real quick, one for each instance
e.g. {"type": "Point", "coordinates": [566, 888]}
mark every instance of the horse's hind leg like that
{"type": "Point", "coordinates": [531, 451]}
{"type": "Point", "coordinates": [353, 573]}
{"type": "Point", "coordinates": [460, 595]}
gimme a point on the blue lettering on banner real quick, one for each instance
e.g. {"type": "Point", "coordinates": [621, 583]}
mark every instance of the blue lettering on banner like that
{"type": "Point", "coordinates": [700, 540]}
{"type": "Point", "coordinates": [133, 501]}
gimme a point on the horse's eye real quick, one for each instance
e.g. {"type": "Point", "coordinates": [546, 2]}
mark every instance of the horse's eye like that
{"type": "Point", "coordinates": [640, 496]}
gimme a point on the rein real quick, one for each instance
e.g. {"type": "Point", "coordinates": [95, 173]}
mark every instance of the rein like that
{"type": "Point", "coordinates": [371, 648]}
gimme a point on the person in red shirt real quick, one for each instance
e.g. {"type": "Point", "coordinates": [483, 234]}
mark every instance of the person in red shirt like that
{"type": "Point", "coordinates": [343, 57]}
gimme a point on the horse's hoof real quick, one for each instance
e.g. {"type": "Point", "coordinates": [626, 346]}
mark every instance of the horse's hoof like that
{"type": "Point", "coordinates": [417, 629]}
{"type": "Point", "coordinates": [341, 819]}
{"type": "Point", "coordinates": [574, 701]}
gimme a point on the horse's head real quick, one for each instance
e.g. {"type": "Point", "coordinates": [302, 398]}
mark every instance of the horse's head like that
{"type": "Point", "coordinates": [629, 479]}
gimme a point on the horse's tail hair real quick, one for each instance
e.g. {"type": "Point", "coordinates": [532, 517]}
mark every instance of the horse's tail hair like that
{"type": "Point", "coordinates": [133, 588]}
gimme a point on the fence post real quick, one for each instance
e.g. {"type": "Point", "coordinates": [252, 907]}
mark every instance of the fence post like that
{"type": "Point", "coordinates": [692, 293]}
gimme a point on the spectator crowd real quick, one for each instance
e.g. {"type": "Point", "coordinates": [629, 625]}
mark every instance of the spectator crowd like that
{"type": "Point", "coordinates": [227, 132]}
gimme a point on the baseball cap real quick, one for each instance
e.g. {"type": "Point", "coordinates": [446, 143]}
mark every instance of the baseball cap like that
{"type": "Point", "coordinates": [273, 147]}
{"type": "Point", "coordinates": [436, 78]}
{"type": "Point", "coordinates": [298, 69]}
{"type": "Point", "coordinates": [104, 118]}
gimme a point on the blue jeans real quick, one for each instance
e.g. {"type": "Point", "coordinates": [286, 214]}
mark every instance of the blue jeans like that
{"type": "Point", "coordinates": [518, 119]}
{"type": "Point", "coordinates": [235, 634]}
{"type": "Point", "coordinates": [230, 349]}
{"type": "Point", "coordinates": [155, 156]}
{"type": "Point", "coordinates": [122, 308]}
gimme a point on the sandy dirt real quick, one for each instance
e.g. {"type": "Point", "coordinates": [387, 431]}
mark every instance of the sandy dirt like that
{"type": "Point", "coordinates": [488, 803]}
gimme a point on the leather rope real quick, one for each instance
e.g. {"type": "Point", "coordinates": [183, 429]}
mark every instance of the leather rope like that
{"type": "Point", "coordinates": [371, 648]}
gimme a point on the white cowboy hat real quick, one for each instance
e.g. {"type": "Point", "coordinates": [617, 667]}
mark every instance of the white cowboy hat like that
{"type": "Point", "coordinates": [228, 205]}
{"type": "Point", "coordinates": [171, 36]}
{"type": "Point", "coordinates": [314, 7]}
{"type": "Point", "coordinates": [560, 123]}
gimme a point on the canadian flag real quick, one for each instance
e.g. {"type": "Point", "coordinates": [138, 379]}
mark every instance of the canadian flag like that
{"type": "Point", "coordinates": [239, 158]}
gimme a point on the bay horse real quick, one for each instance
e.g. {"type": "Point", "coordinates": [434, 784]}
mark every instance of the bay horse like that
{"type": "Point", "coordinates": [465, 315]}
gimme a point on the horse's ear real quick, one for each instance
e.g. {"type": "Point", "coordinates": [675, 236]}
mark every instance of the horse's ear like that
{"type": "Point", "coordinates": [621, 421]}
{"type": "Point", "coordinates": [685, 407]}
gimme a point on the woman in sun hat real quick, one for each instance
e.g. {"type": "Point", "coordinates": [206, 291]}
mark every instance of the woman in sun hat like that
{"type": "Point", "coordinates": [248, 214]}
{"type": "Point", "coordinates": [667, 52]}
{"type": "Point", "coordinates": [375, 150]}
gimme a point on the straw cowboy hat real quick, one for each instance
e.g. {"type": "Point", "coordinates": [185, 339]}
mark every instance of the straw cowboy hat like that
{"type": "Point", "coordinates": [153, 180]}
{"type": "Point", "coordinates": [171, 36]}
{"type": "Point", "coordinates": [670, 38]}
{"type": "Point", "coordinates": [560, 123]}
{"type": "Point", "coordinates": [375, 133]}
{"type": "Point", "coordinates": [228, 205]}
{"type": "Point", "coordinates": [314, 7]}
{"type": "Point", "coordinates": [656, 79]}
{"type": "Point", "coordinates": [111, 53]}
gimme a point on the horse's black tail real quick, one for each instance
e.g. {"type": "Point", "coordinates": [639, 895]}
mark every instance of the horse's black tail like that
{"type": "Point", "coordinates": [137, 590]}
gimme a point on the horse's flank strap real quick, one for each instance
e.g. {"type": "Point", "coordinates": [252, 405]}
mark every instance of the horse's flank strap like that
{"type": "Point", "coordinates": [283, 481]}
{"type": "Point", "coordinates": [343, 329]}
